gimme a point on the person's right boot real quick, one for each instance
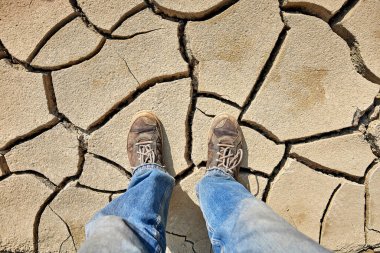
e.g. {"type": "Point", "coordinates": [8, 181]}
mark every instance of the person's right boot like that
{"type": "Point", "coordinates": [225, 145]}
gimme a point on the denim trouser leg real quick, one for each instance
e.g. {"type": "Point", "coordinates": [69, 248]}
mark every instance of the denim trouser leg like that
{"type": "Point", "coordinates": [238, 222]}
{"type": "Point", "coordinates": [135, 221]}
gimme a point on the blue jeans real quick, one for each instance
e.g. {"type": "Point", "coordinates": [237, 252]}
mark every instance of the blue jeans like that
{"type": "Point", "coordinates": [236, 220]}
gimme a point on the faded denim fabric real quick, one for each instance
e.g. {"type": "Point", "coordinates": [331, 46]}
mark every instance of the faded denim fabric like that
{"type": "Point", "coordinates": [111, 234]}
{"type": "Point", "coordinates": [238, 222]}
{"type": "Point", "coordinates": [143, 209]}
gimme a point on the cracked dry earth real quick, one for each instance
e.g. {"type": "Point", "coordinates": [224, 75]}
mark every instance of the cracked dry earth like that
{"type": "Point", "coordinates": [301, 77]}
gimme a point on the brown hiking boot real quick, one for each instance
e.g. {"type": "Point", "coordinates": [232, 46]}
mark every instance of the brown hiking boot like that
{"type": "Point", "coordinates": [225, 145]}
{"type": "Point", "coordinates": [145, 140]}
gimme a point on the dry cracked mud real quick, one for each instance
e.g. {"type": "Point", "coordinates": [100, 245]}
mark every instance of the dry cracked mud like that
{"type": "Point", "coordinates": [302, 77]}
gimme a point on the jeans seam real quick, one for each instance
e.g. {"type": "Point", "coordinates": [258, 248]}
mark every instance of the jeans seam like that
{"type": "Point", "coordinates": [215, 240]}
{"type": "Point", "coordinates": [163, 197]}
{"type": "Point", "coordinates": [212, 230]}
{"type": "Point", "coordinates": [219, 243]}
{"type": "Point", "coordinates": [158, 219]}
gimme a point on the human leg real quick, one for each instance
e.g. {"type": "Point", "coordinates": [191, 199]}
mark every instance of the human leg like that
{"type": "Point", "coordinates": [143, 208]}
{"type": "Point", "coordinates": [135, 221]}
{"type": "Point", "coordinates": [236, 220]}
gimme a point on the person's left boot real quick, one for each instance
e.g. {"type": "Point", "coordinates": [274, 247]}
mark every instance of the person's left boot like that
{"type": "Point", "coordinates": [144, 143]}
{"type": "Point", "coordinates": [225, 145]}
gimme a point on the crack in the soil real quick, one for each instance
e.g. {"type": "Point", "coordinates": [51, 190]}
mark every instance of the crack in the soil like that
{"type": "Point", "coordinates": [83, 186]}
{"type": "Point", "coordinates": [152, 6]}
{"type": "Point", "coordinates": [369, 247]}
{"type": "Point", "coordinates": [275, 172]}
{"type": "Point", "coordinates": [280, 4]}
{"type": "Point", "coordinates": [78, 13]}
{"type": "Point", "coordinates": [41, 177]}
{"type": "Point", "coordinates": [3, 54]}
{"type": "Point", "coordinates": [53, 106]}
{"type": "Point", "coordinates": [261, 130]}
{"type": "Point", "coordinates": [374, 230]}
{"type": "Point", "coordinates": [128, 68]}
{"type": "Point", "coordinates": [190, 16]}
{"type": "Point", "coordinates": [206, 114]}
{"type": "Point", "coordinates": [355, 55]}
{"type": "Point", "coordinates": [202, 164]}
{"type": "Point", "coordinates": [135, 10]}
{"type": "Point", "coordinates": [113, 163]}
{"type": "Point", "coordinates": [126, 37]}
{"type": "Point", "coordinates": [325, 135]}
{"type": "Point", "coordinates": [116, 108]}
{"type": "Point", "coordinates": [331, 172]}
{"type": "Point", "coordinates": [40, 69]}
{"type": "Point", "coordinates": [67, 227]}
{"type": "Point", "coordinates": [184, 50]}
{"type": "Point", "coordinates": [218, 97]}
{"type": "Point", "coordinates": [37, 68]}
{"type": "Point", "coordinates": [369, 137]}
{"type": "Point", "coordinates": [258, 84]}
{"type": "Point", "coordinates": [110, 197]}
{"type": "Point", "coordinates": [319, 11]}
{"type": "Point", "coordinates": [265, 70]}
{"type": "Point", "coordinates": [44, 70]}
{"type": "Point", "coordinates": [50, 34]}
{"type": "Point", "coordinates": [30, 135]}
{"type": "Point", "coordinates": [81, 153]}
{"type": "Point", "coordinates": [365, 117]}
{"type": "Point", "coordinates": [256, 127]}
{"type": "Point", "coordinates": [322, 220]}
{"type": "Point", "coordinates": [191, 62]}
{"type": "Point", "coordinates": [362, 120]}
{"type": "Point", "coordinates": [60, 246]}
{"type": "Point", "coordinates": [369, 170]}
{"type": "Point", "coordinates": [342, 12]}
{"type": "Point", "coordinates": [190, 118]}
{"type": "Point", "coordinates": [106, 33]}
{"type": "Point", "coordinates": [50, 94]}
{"type": "Point", "coordinates": [186, 240]}
{"type": "Point", "coordinates": [4, 168]}
{"type": "Point", "coordinates": [184, 174]}
{"type": "Point", "coordinates": [13, 60]}
{"type": "Point", "coordinates": [310, 8]}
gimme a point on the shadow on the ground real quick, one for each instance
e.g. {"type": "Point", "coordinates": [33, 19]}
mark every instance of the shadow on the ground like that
{"type": "Point", "coordinates": [186, 229]}
{"type": "Point", "coordinates": [167, 153]}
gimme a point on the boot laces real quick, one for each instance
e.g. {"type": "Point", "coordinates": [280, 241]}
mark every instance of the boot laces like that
{"type": "Point", "coordinates": [146, 152]}
{"type": "Point", "coordinates": [227, 159]}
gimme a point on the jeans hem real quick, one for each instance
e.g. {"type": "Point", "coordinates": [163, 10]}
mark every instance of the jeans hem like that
{"type": "Point", "coordinates": [215, 170]}
{"type": "Point", "coordinates": [149, 166]}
